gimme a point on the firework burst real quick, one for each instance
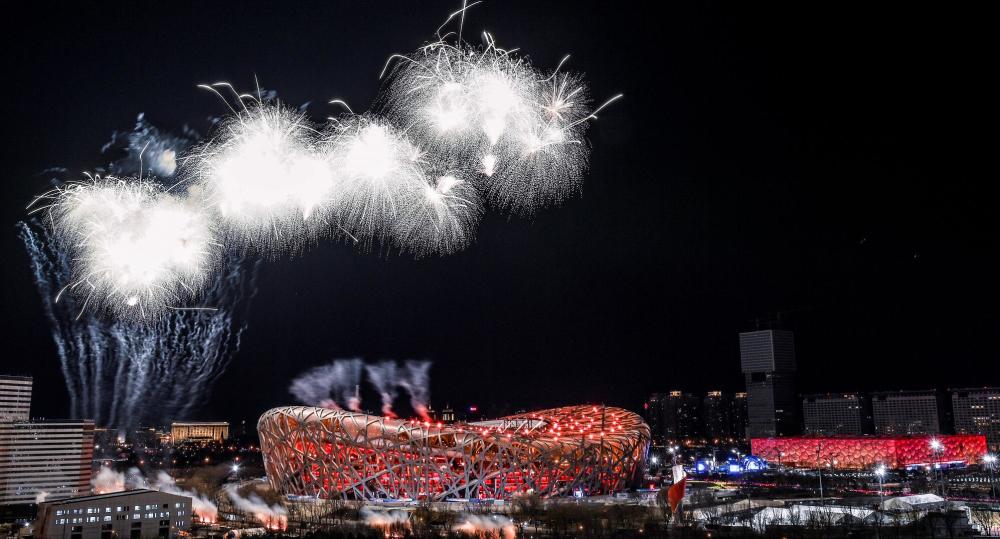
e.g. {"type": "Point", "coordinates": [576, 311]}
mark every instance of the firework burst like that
{"type": "Point", "coordinates": [263, 175]}
{"type": "Point", "coordinates": [136, 249]}
{"type": "Point", "coordinates": [491, 114]}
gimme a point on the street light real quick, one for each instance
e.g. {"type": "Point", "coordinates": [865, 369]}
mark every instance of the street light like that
{"type": "Point", "coordinates": [990, 460]}
{"type": "Point", "coordinates": [937, 448]}
{"type": "Point", "coordinates": [880, 473]}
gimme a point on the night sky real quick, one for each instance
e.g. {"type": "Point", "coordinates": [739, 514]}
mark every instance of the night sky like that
{"type": "Point", "coordinates": [829, 165]}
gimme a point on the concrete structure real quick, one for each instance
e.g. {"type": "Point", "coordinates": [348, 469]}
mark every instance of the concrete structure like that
{"type": "Point", "coordinates": [199, 431]}
{"type": "Point", "coordinates": [897, 413]}
{"type": "Point", "coordinates": [767, 358]}
{"type": "Point", "coordinates": [15, 398]}
{"type": "Point", "coordinates": [132, 514]}
{"type": "Point", "coordinates": [50, 459]}
{"type": "Point", "coordinates": [837, 414]}
{"type": "Point", "coordinates": [865, 452]}
{"type": "Point", "coordinates": [977, 411]}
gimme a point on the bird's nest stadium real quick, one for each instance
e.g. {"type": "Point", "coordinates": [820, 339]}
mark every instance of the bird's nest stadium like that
{"type": "Point", "coordinates": [327, 453]}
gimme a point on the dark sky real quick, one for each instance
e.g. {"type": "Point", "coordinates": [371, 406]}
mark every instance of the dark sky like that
{"type": "Point", "coordinates": [832, 164]}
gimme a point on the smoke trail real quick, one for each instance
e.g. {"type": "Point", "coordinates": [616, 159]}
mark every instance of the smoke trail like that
{"type": "Point", "coordinates": [158, 370]}
{"type": "Point", "coordinates": [416, 382]}
{"type": "Point", "coordinates": [385, 520]}
{"type": "Point", "coordinates": [273, 517]}
{"type": "Point", "coordinates": [147, 149]}
{"type": "Point", "coordinates": [107, 480]}
{"type": "Point", "coordinates": [492, 526]}
{"type": "Point", "coordinates": [382, 376]}
{"type": "Point", "coordinates": [206, 510]}
{"type": "Point", "coordinates": [330, 385]}
{"type": "Point", "coordinates": [348, 386]}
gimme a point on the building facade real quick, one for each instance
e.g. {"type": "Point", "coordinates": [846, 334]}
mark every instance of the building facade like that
{"type": "Point", "coordinates": [683, 416]}
{"type": "Point", "coordinates": [977, 411]}
{"type": "Point", "coordinates": [866, 452]}
{"type": "Point", "coordinates": [199, 431]}
{"type": "Point", "coordinates": [724, 416]}
{"type": "Point", "coordinates": [767, 359]}
{"type": "Point", "coordinates": [837, 414]}
{"type": "Point", "coordinates": [738, 415]}
{"type": "Point", "coordinates": [45, 460]}
{"type": "Point", "coordinates": [898, 413]}
{"type": "Point", "coordinates": [654, 412]}
{"type": "Point", "coordinates": [132, 514]}
{"type": "Point", "coordinates": [15, 398]}
{"type": "Point", "coordinates": [327, 453]}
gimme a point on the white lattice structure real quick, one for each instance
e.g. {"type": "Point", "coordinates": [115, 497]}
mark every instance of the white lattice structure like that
{"type": "Point", "coordinates": [336, 453]}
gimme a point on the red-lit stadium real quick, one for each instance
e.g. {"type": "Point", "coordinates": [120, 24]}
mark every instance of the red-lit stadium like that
{"type": "Point", "coordinates": [864, 452]}
{"type": "Point", "coordinates": [336, 453]}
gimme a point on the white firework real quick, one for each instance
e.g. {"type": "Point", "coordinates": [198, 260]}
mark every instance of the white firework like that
{"type": "Point", "coordinates": [380, 175]}
{"type": "Point", "coordinates": [272, 189]}
{"type": "Point", "coordinates": [442, 220]}
{"type": "Point", "coordinates": [489, 113]}
{"type": "Point", "coordinates": [136, 249]}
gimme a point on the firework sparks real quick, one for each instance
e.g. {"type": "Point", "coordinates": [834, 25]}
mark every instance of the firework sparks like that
{"type": "Point", "coordinates": [490, 113]}
{"type": "Point", "coordinates": [160, 369]}
{"type": "Point", "coordinates": [137, 250]}
{"type": "Point", "coordinates": [272, 190]}
{"type": "Point", "coordinates": [456, 125]}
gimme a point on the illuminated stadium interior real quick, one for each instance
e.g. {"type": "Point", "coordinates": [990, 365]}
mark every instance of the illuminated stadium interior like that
{"type": "Point", "coordinates": [328, 453]}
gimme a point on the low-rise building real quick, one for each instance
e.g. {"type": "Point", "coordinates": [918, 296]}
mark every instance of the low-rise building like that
{"type": "Point", "coordinates": [131, 514]}
{"type": "Point", "coordinates": [199, 431]}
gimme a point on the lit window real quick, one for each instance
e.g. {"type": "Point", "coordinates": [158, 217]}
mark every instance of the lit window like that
{"type": "Point", "coordinates": [107, 518]}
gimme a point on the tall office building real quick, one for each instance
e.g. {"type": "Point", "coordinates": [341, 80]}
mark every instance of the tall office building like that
{"type": "Point", "coordinates": [654, 413]}
{"type": "Point", "coordinates": [15, 398]}
{"type": "Point", "coordinates": [716, 409]}
{"type": "Point", "coordinates": [907, 412]}
{"type": "Point", "coordinates": [767, 358]}
{"type": "Point", "coordinates": [47, 460]}
{"type": "Point", "coordinates": [683, 416]}
{"type": "Point", "coordinates": [738, 415]}
{"type": "Point", "coordinates": [673, 417]}
{"type": "Point", "coordinates": [837, 414]}
{"type": "Point", "coordinates": [977, 411]}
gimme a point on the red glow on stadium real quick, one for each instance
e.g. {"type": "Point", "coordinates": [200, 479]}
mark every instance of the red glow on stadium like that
{"type": "Point", "coordinates": [863, 452]}
{"type": "Point", "coordinates": [342, 454]}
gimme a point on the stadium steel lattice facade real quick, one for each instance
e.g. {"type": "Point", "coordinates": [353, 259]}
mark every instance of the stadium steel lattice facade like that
{"type": "Point", "coordinates": [336, 453]}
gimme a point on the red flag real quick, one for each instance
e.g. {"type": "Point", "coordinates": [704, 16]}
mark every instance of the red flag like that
{"type": "Point", "coordinates": [676, 493]}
